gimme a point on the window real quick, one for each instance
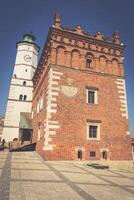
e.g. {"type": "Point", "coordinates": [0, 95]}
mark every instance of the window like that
{"type": "Point", "coordinates": [132, 147]}
{"type": "Point", "coordinates": [37, 105]}
{"type": "Point", "coordinates": [39, 131]}
{"type": "Point", "coordinates": [24, 83]}
{"type": "Point", "coordinates": [20, 97]}
{"type": "Point", "coordinates": [89, 60]}
{"type": "Point", "coordinates": [80, 154]}
{"type": "Point", "coordinates": [93, 131]}
{"type": "Point", "coordinates": [92, 154]}
{"type": "Point", "coordinates": [40, 104]}
{"type": "Point", "coordinates": [92, 96]}
{"type": "Point", "coordinates": [32, 112]}
{"type": "Point", "coordinates": [25, 97]}
{"type": "Point", "coordinates": [88, 63]}
{"type": "Point", "coordinates": [104, 155]}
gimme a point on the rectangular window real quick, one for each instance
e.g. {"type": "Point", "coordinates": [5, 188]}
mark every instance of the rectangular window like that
{"type": "Point", "coordinates": [39, 131]}
{"type": "Point", "coordinates": [88, 63]}
{"type": "Point", "coordinates": [92, 154]}
{"type": "Point", "coordinates": [40, 104]}
{"type": "Point", "coordinates": [93, 131]}
{"type": "Point", "coordinates": [92, 96]}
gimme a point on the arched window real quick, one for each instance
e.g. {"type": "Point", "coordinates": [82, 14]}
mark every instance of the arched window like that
{"type": "Point", "coordinates": [89, 60]}
{"type": "Point", "coordinates": [20, 97]}
{"type": "Point", "coordinates": [75, 58]}
{"type": "Point", "coordinates": [24, 83]}
{"type": "Point", "coordinates": [103, 61]}
{"type": "Point", "coordinates": [25, 97]}
{"type": "Point", "coordinates": [115, 62]}
{"type": "Point", "coordinates": [88, 63]}
{"type": "Point", "coordinates": [60, 55]}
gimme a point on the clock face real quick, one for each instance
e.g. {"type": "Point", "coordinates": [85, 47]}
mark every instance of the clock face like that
{"type": "Point", "coordinates": [27, 58]}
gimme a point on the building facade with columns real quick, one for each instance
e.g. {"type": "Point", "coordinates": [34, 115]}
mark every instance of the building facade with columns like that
{"type": "Point", "coordinates": [79, 97]}
{"type": "Point", "coordinates": [17, 118]}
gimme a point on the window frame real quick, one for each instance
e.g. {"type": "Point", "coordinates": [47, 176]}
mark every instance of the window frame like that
{"type": "Point", "coordinates": [95, 96]}
{"type": "Point", "coordinates": [25, 97]}
{"type": "Point", "coordinates": [24, 83]}
{"type": "Point", "coordinates": [89, 63]}
{"type": "Point", "coordinates": [20, 97]}
{"type": "Point", "coordinates": [39, 130]}
{"type": "Point", "coordinates": [92, 154]}
{"type": "Point", "coordinates": [98, 130]}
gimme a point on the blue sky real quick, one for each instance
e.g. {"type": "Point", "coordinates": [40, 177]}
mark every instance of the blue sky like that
{"type": "Point", "coordinates": [18, 17]}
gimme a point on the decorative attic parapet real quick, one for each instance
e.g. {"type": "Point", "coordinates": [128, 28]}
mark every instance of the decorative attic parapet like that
{"type": "Point", "coordinates": [79, 31]}
{"type": "Point", "coordinates": [57, 21]}
{"type": "Point", "coordinates": [99, 36]}
{"type": "Point", "coordinates": [77, 39]}
{"type": "Point", "coordinates": [116, 37]}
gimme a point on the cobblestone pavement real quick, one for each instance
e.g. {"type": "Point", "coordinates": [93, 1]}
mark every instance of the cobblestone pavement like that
{"type": "Point", "coordinates": [25, 176]}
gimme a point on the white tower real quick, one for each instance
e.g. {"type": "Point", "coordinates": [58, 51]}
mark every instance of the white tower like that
{"type": "Point", "coordinates": [21, 86]}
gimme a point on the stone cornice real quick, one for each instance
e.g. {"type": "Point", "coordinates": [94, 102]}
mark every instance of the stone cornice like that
{"type": "Point", "coordinates": [28, 43]}
{"type": "Point", "coordinates": [23, 79]}
{"type": "Point", "coordinates": [23, 64]}
{"type": "Point", "coordinates": [19, 100]}
{"type": "Point", "coordinates": [21, 85]}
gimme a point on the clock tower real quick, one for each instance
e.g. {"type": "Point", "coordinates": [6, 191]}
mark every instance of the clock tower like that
{"type": "Point", "coordinates": [17, 119]}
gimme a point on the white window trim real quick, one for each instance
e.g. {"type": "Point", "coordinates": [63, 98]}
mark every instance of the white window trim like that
{"type": "Point", "coordinates": [95, 97]}
{"type": "Point", "coordinates": [41, 103]}
{"type": "Point", "coordinates": [98, 130]}
{"type": "Point", "coordinates": [37, 106]}
{"type": "Point", "coordinates": [39, 132]}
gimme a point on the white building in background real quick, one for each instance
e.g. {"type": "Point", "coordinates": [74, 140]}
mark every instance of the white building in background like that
{"type": "Point", "coordinates": [20, 93]}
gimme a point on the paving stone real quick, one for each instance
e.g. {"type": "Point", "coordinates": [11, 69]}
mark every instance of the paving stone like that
{"type": "Point", "coordinates": [107, 192]}
{"type": "Point", "coordinates": [25, 176]}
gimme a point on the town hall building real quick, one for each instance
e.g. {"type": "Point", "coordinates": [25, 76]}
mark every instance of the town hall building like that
{"type": "Point", "coordinates": [79, 97]}
{"type": "Point", "coordinates": [79, 104]}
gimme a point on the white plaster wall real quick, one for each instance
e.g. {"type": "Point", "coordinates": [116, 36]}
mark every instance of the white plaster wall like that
{"type": "Point", "coordinates": [23, 71]}
{"type": "Point", "coordinates": [20, 82]}
{"type": "Point", "coordinates": [14, 106]}
{"type": "Point", "coordinates": [10, 133]}
{"type": "Point", "coordinates": [26, 49]}
{"type": "Point", "coordinates": [15, 92]}
{"type": "Point", "coordinates": [13, 112]}
{"type": "Point", "coordinates": [21, 65]}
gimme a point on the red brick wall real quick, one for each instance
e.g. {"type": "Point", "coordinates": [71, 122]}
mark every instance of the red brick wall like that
{"type": "Point", "coordinates": [64, 119]}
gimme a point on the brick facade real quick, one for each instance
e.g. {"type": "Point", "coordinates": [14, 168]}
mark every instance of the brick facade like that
{"type": "Point", "coordinates": [1, 125]}
{"type": "Point", "coordinates": [72, 64]}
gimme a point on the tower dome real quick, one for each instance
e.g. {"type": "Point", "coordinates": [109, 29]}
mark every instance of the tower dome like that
{"type": "Point", "coordinates": [29, 37]}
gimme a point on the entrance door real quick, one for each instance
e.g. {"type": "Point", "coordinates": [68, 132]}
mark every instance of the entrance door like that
{"type": "Point", "coordinates": [26, 135]}
{"type": "Point", "coordinates": [79, 154]}
{"type": "Point", "coordinates": [104, 155]}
